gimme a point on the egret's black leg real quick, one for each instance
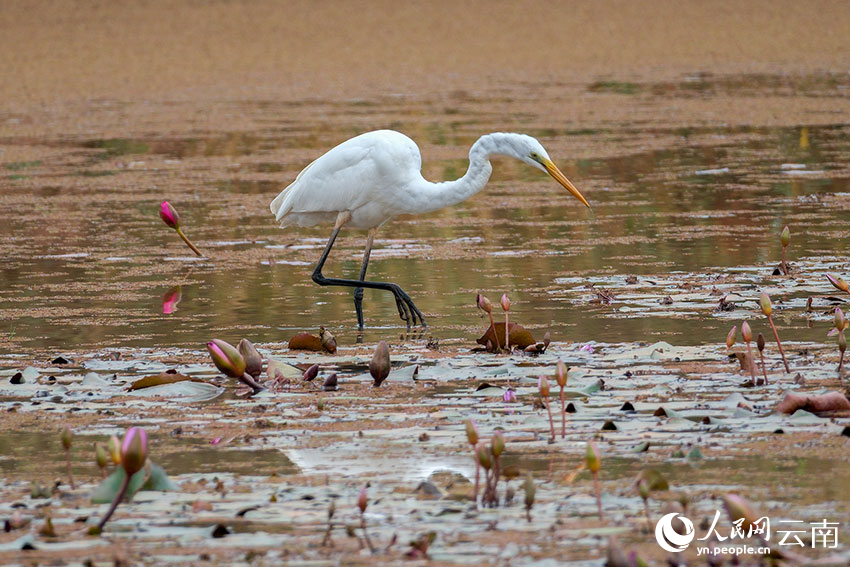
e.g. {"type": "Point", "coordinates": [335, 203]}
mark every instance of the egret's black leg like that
{"type": "Point", "coordinates": [406, 308]}
{"type": "Point", "coordinates": [358, 292]}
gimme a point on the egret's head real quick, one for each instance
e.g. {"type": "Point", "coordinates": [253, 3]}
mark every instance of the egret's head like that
{"type": "Point", "coordinates": [528, 149]}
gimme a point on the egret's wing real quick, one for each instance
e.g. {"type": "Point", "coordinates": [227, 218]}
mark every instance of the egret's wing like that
{"type": "Point", "coordinates": [363, 169]}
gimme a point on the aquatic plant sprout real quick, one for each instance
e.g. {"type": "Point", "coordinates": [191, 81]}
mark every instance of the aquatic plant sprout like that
{"type": "Point", "coordinates": [767, 309]}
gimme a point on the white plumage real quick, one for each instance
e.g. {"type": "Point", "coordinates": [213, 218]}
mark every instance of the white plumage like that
{"type": "Point", "coordinates": [368, 179]}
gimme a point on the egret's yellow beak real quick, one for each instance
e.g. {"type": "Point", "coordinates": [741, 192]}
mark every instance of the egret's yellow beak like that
{"type": "Point", "coordinates": [556, 174]}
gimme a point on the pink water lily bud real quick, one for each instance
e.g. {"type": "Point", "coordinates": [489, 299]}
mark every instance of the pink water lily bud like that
{"type": "Point", "coordinates": [253, 360]}
{"type": "Point", "coordinates": [379, 366]}
{"type": "Point", "coordinates": [760, 342]}
{"type": "Point", "coordinates": [171, 298]}
{"type": "Point", "coordinates": [838, 283]}
{"type": "Point", "coordinates": [785, 237]}
{"type": "Point", "coordinates": [134, 450]}
{"type": "Point", "coordinates": [497, 444]}
{"type": "Point", "coordinates": [471, 432]}
{"type": "Point", "coordinates": [114, 447]}
{"type": "Point", "coordinates": [730, 338]}
{"type": "Point", "coordinates": [543, 386]}
{"type": "Point", "coordinates": [169, 215]}
{"type": "Point", "coordinates": [226, 358]}
{"type": "Point", "coordinates": [509, 396]}
{"type": "Point", "coordinates": [362, 501]}
{"type": "Point", "coordinates": [746, 332]}
{"type": "Point", "coordinates": [561, 374]}
{"type": "Point", "coordinates": [100, 455]}
{"type": "Point", "coordinates": [591, 458]}
{"type": "Point", "coordinates": [483, 303]}
{"type": "Point", "coordinates": [65, 437]}
{"type": "Point", "coordinates": [484, 456]}
{"type": "Point", "coordinates": [738, 508]}
{"type": "Point", "coordinates": [766, 305]}
{"type": "Point", "coordinates": [839, 319]}
{"type": "Point", "coordinates": [506, 302]}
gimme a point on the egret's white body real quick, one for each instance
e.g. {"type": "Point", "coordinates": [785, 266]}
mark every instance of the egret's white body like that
{"type": "Point", "coordinates": [367, 180]}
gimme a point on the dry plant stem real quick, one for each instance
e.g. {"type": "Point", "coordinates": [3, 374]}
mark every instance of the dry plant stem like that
{"type": "Point", "coordinates": [188, 242]}
{"type": "Point", "coordinates": [763, 368]}
{"type": "Point", "coordinates": [551, 423]}
{"type": "Point", "coordinates": [776, 336]}
{"type": "Point", "coordinates": [646, 511]}
{"type": "Point", "coordinates": [68, 468]}
{"type": "Point", "coordinates": [118, 497]}
{"type": "Point", "coordinates": [784, 263]}
{"type": "Point", "coordinates": [752, 362]}
{"type": "Point", "coordinates": [840, 360]}
{"type": "Point", "coordinates": [366, 533]}
{"type": "Point", "coordinates": [598, 494]}
{"type": "Point", "coordinates": [563, 415]}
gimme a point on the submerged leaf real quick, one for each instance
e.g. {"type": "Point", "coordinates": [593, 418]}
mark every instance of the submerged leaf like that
{"type": "Point", "coordinates": [305, 341]}
{"type": "Point", "coordinates": [158, 380]}
{"type": "Point", "coordinates": [518, 337]}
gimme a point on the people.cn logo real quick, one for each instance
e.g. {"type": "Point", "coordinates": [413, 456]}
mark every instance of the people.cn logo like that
{"type": "Point", "coordinates": [671, 540]}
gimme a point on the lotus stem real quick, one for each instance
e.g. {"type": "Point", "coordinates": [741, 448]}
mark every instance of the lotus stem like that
{"type": "Point", "coordinates": [249, 381]}
{"type": "Point", "coordinates": [68, 468]}
{"type": "Point", "coordinates": [598, 491]}
{"type": "Point", "coordinates": [763, 369]}
{"type": "Point", "coordinates": [779, 343]}
{"type": "Point", "coordinates": [551, 423]}
{"type": "Point", "coordinates": [188, 242]}
{"type": "Point", "coordinates": [118, 497]}
{"type": "Point", "coordinates": [752, 362]}
{"type": "Point", "coordinates": [366, 533]}
{"type": "Point", "coordinates": [563, 415]}
{"type": "Point", "coordinates": [477, 479]}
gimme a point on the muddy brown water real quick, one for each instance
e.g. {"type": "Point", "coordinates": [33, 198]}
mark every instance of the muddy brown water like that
{"type": "Point", "coordinates": [87, 260]}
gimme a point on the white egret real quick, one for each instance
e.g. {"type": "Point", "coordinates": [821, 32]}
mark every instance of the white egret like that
{"type": "Point", "coordinates": [367, 180]}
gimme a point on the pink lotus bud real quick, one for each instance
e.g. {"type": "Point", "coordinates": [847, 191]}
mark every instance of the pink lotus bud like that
{"type": "Point", "coordinates": [171, 298]}
{"type": "Point", "coordinates": [100, 455]}
{"type": "Point", "coordinates": [506, 302]}
{"type": "Point", "coordinates": [561, 374]}
{"type": "Point", "coordinates": [114, 447]}
{"type": "Point", "coordinates": [839, 319]}
{"type": "Point", "coordinates": [379, 366]}
{"type": "Point", "coordinates": [483, 303]}
{"type": "Point", "coordinates": [253, 360]}
{"type": "Point", "coordinates": [730, 338]}
{"type": "Point", "coordinates": [509, 396]}
{"type": "Point", "coordinates": [471, 432]}
{"type": "Point", "coordinates": [226, 358]}
{"type": "Point", "coordinates": [484, 456]}
{"type": "Point", "coordinates": [497, 444]}
{"type": "Point", "coordinates": [543, 386]}
{"type": "Point", "coordinates": [766, 305]}
{"type": "Point", "coordinates": [362, 501]}
{"type": "Point", "coordinates": [169, 215]}
{"type": "Point", "coordinates": [746, 332]}
{"type": "Point", "coordinates": [838, 283]}
{"type": "Point", "coordinates": [65, 437]}
{"type": "Point", "coordinates": [785, 236]}
{"type": "Point", "coordinates": [738, 508]}
{"type": "Point", "coordinates": [134, 450]}
{"type": "Point", "coordinates": [591, 458]}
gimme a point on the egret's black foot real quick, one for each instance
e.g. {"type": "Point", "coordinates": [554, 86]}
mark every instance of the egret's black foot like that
{"type": "Point", "coordinates": [407, 310]}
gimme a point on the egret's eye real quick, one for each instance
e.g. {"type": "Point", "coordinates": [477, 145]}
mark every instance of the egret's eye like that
{"type": "Point", "coordinates": [534, 156]}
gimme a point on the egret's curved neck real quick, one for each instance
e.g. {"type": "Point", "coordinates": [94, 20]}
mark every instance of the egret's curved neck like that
{"type": "Point", "coordinates": [434, 196]}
